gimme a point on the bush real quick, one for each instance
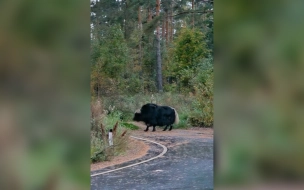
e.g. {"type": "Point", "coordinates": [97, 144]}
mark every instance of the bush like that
{"type": "Point", "coordinates": [183, 124]}
{"type": "Point", "coordinates": [100, 149]}
{"type": "Point", "coordinates": [202, 113]}
{"type": "Point", "coordinates": [102, 121]}
{"type": "Point", "coordinates": [97, 149]}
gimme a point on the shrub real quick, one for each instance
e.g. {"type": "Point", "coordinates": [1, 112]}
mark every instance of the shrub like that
{"type": "Point", "coordinates": [97, 149]}
{"type": "Point", "coordinates": [102, 120]}
{"type": "Point", "coordinates": [100, 149]}
{"type": "Point", "coordinates": [202, 113]}
{"type": "Point", "coordinates": [183, 124]}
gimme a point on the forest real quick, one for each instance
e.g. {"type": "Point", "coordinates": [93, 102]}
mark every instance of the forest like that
{"type": "Point", "coordinates": [151, 51]}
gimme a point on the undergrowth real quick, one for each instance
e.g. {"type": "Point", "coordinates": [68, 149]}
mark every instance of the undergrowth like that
{"type": "Point", "coordinates": [101, 123]}
{"type": "Point", "coordinates": [194, 110]}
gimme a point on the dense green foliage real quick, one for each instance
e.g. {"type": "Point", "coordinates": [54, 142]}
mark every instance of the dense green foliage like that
{"type": "Point", "coordinates": [124, 44]}
{"type": "Point", "coordinates": [203, 103]}
{"type": "Point", "coordinates": [188, 52]}
{"type": "Point", "coordinates": [189, 49]}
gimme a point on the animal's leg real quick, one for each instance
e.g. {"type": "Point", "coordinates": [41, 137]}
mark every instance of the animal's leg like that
{"type": "Point", "coordinates": [153, 127]}
{"type": "Point", "coordinates": [165, 128]}
{"type": "Point", "coordinates": [170, 127]}
{"type": "Point", "coordinates": [147, 128]}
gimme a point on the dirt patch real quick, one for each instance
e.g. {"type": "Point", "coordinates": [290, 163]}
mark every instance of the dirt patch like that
{"type": "Point", "coordinates": [135, 149]}
{"type": "Point", "coordinates": [194, 132]}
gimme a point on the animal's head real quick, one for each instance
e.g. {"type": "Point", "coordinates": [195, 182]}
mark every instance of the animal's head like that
{"type": "Point", "coordinates": [137, 115]}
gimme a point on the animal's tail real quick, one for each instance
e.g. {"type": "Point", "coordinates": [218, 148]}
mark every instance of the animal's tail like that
{"type": "Point", "coordinates": [176, 121]}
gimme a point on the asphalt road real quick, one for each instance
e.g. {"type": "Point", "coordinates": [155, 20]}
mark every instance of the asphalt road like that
{"type": "Point", "coordinates": [186, 165]}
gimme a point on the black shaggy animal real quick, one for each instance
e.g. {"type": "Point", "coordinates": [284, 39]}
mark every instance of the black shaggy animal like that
{"type": "Point", "coordinates": [154, 115]}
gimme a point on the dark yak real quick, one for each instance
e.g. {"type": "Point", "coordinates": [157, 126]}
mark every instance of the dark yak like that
{"type": "Point", "coordinates": [154, 115]}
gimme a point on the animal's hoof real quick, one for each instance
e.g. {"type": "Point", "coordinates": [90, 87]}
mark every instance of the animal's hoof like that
{"type": "Point", "coordinates": [153, 130]}
{"type": "Point", "coordinates": [145, 130]}
{"type": "Point", "coordinates": [164, 130]}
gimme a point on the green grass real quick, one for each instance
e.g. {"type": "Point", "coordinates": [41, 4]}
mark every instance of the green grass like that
{"type": "Point", "coordinates": [130, 126]}
{"type": "Point", "coordinates": [183, 124]}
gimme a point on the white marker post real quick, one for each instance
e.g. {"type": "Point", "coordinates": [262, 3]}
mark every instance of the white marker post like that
{"type": "Point", "coordinates": [110, 138]}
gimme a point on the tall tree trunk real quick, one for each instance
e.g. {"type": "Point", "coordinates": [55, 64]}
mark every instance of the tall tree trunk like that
{"type": "Point", "coordinates": [149, 45]}
{"type": "Point", "coordinates": [140, 41]}
{"type": "Point", "coordinates": [139, 18]}
{"type": "Point", "coordinates": [163, 28]}
{"type": "Point", "coordinates": [192, 14]}
{"type": "Point", "coordinates": [125, 19]}
{"type": "Point", "coordinates": [158, 54]}
{"type": "Point", "coordinates": [171, 23]}
{"type": "Point", "coordinates": [159, 66]}
{"type": "Point", "coordinates": [166, 28]}
{"type": "Point", "coordinates": [149, 14]}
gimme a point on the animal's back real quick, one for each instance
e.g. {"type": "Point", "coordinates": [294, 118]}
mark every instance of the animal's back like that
{"type": "Point", "coordinates": [148, 108]}
{"type": "Point", "coordinates": [149, 113]}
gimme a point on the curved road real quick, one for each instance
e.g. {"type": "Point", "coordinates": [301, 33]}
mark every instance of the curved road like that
{"type": "Point", "coordinates": [188, 164]}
